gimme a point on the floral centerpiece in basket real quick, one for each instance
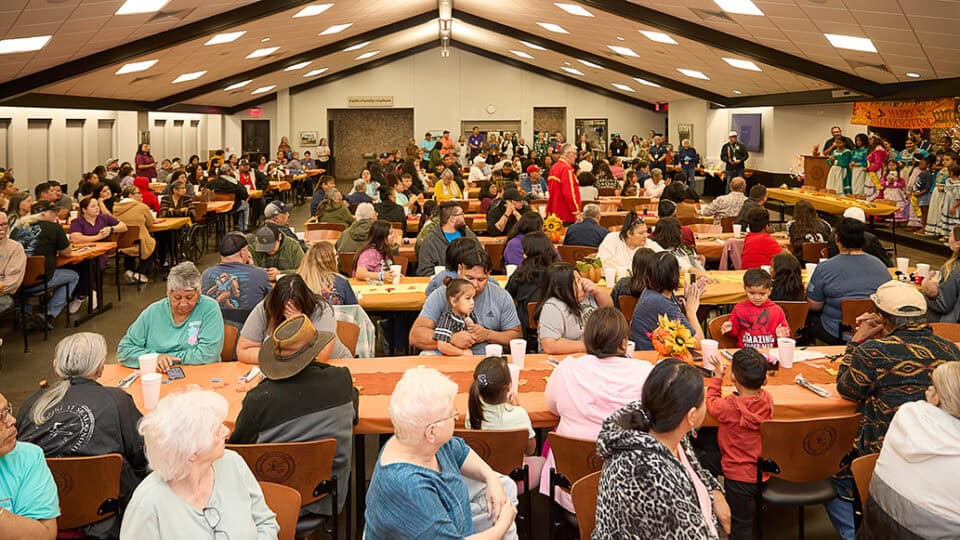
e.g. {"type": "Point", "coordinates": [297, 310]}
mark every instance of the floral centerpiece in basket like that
{"type": "Point", "coordinates": [553, 228]}
{"type": "Point", "coordinates": [672, 339]}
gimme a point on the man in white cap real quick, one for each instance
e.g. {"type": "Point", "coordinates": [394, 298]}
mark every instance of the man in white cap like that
{"type": "Point", "coordinates": [734, 154]}
{"type": "Point", "coordinates": [887, 363]}
{"type": "Point", "coordinates": [873, 246]}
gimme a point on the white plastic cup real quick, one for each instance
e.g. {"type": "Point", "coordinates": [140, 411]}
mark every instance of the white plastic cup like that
{"type": "Point", "coordinates": [709, 347]}
{"type": "Point", "coordinates": [514, 378]}
{"type": "Point", "coordinates": [518, 351]}
{"type": "Point", "coordinates": [810, 268]}
{"type": "Point", "coordinates": [737, 229]}
{"type": "Point", "coordinates": [150, 384]}
{"type": "Point", "coordinates": [437, 270]}
{"type": "Point", "coordinates": [631, 348]}
{"type": "Point", "coordinates": [785, 348]}
{"type": "Point", "coordinates": [766, 268]}
{"type": "Point", "coordinates": [622, 272]}
{"type": "Point", "coordinates": [903, 264]}
{"type": "Point", "coordinates": [511, 268]}
{"type": "Point", "coordinates": [610, 276]}
{"type": "Point", "coordinates": [148, 363]}
{"type": "Point", "coordinates": [494, 349]}
{"type": "Point", "coordinates": [395, 268]}
{"type": "Point", "coordinates": [923, 269]}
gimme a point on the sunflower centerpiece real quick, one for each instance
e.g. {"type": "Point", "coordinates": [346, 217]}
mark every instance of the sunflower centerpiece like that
{"type": "Point", "coordinates": [553, 228]}
{"type": "Point", "coordinates": [672, 339]}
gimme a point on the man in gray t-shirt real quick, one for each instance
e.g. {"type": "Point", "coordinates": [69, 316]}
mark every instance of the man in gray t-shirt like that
{"type": "Point", "coordinates": [497, 320]}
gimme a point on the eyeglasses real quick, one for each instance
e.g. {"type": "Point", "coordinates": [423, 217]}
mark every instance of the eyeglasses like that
{"type": "Point", "coordinates": [212, 516]}
{"type": "Point", "coordinates": [6, 412]}
{"type": "Point", "coordinates": [454, 417]}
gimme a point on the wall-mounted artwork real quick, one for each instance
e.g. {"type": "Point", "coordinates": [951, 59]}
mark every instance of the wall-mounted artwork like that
{"type": "Point", "coordinates": [748, 128]}
{"type": "Point", "coordinates": [308, 138]}
{"type": "Point", "coordinates": [684, 131]}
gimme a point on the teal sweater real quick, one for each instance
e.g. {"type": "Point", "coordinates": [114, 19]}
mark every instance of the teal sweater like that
{"type": "Point", "coordinates": [197, 341]}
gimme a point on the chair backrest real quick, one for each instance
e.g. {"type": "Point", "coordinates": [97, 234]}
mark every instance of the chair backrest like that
{"type": "Point", "coordinates": [128, 238]}
{"type": "Point", "coordinates": [402, 261]}
{"type": "Point", "coordinates": [495, 251]}
{"type": "Point", "coordinates": [796, 313]}
{"type": "Point", "coordinates": [607, 191]}
{"type": "Point", "coordinates": [230, 335]}
{"type": "Point", "coordinates": [628, 304]}
{"type": "Point", "coordinates": [713, 328]}
{"type": "Point", "coordinates": [608, 206]}
{"type": "Point", "coordinates": [220, 196]}
{"type": "Point", "coordinates": [946, 330]}
{"type": "Point", "coordinates": [584, 494]}
{"type": "Point", "coordinates": [319, 235]}
{"type": "Point", "coordinates": [502, 450]}
{"type": "Point", "coordinates": [531, 308]}
{"type": "Point", "coordinates": [706, 228]}
{"type": "Point", "coordinates": [574, 458]}
{"type": "Point", "coordinates": [348, 333]}
{"type": "Point", "coordinates": [808, 450]}
{"type": "Point", "coordinates": [326, 227]}
{"type": "Point", "coordinates": [285, 502]}
{"type": "Point", "coordinates": [572, 254]}
{"type": "Point", "coordinates": [812, 252]}
{"type": "Point", "coordinates": [312, 461]}
{"type": "Point", "coordinates": [468, 222]}
{"type": "Point", "coordinates": [611, 220]}
{"type": "Point", "coordinates": [402, 227]}
{"type": "Point", "coordinates": [88, 487]}
{"type": "Point", "coordinates": [726, 224]}
{"type": "Point", "coordinates": [346, 262]}
{"type": "Point", "coordinates": [34, 271]}
{"type": "Point", "coordinates": [862, 469]}
{"type": "Point", "coordinates": [850, 309]}
{"type": "Point", "coordinates": [629, 203]}
{"type": "Point", "coordinates": [688, 221]}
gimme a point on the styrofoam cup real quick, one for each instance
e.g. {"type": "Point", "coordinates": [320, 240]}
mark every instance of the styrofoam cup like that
{"type": "Point", "coordinates": [494, 349]}
{"type": "Point", "coordinates": [514, 378]}
{"type": "Point", "coordinates": [518, 351]}
{"type": "Point", "coordinates": [709, 347]}
{"type": "Point", "coordinates": [737, 229]}
{"type": "Point", "coordinates": [610, 276]}
{"type": "Point", "coordinates": [903, 264]}
{"type": "Point", "coordinates": [148, 363]}
{"type": "Point", "coordinates": [150, 384]}
{"type": "Point", "coordinates": [810, 268]}
{"type": "Point", "coordinates": [511, 268]}
{"type": "Point", "coordinates": [631, 348]}
{"type": "Point", "coordinates": [785, 348]}
{"type": "Point", "coordinates": [395, 268]}
{"type": "Point", "coordinates": [437, 270]}
{"type": "Point", "coordinates": [923, 269]}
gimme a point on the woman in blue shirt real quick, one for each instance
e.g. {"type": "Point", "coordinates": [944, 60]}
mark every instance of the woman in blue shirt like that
{"type": "Point", "coordinates": [663, 278]}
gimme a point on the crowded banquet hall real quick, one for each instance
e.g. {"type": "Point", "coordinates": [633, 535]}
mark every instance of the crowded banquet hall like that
{"type": "Point", "coordinates": [723, 233]}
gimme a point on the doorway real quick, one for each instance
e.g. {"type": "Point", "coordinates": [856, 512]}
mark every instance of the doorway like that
{"type": "Point", "coordinates": [256, 137]}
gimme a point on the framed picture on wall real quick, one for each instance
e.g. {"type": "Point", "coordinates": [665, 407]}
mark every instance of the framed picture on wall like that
{"type": "Point", "coordinates": [685, 131]}
{"type": "Point", "coordinates": [748, 128]}
{"type": "Point", "coordinates": [308, 138]}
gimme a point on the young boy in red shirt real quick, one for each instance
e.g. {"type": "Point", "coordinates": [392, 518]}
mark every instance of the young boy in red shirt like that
{"type": "Point", "coordinates": [759, 248]}
{"type": "Point", "coordinates": [757, 321]}
{"type": "Point", "coordinates": [739, 415]}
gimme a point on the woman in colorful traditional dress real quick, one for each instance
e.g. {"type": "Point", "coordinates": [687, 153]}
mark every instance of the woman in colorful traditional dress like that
{"type": "Point", "coordinates": [950, 215]}
{"type": "Point", "coordinates": [892, 190]}
{"type": "Point", "coordinates": [839, 177]}
{"type": "Point", "coordinates": [936, 196]}
{"type": "Point", "coordinates": [858, 163]}
{"type": "Point", "coordinates": [875, 160]}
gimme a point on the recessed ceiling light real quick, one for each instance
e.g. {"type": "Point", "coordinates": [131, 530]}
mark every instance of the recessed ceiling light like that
{"type": "Point", "coordinates": [315, 72]}
{"type": "Point", "coordinates": [553, 27]}
{"type": "Point", "coordinates": [590, 64]}
{"type": "Point", "coordinates": [357, 46]}
{"type": "Point", "coordinates": [574, 9]}
{"type": "Point", "coordinates": [740, 7]}
{"type": "Point", "coordinates": [742, 64]}
{"type": "Point", "coordinates": [913, 75]}
{"type": "Point", "coordinates": [571, 70]}
{"type": "Point", "coordinates": [623, 51]}
{"type": "Point", "coordinates": [225, 38]}
{"type": "Point", "coordinates": [623, 87]}
{"type": "Point", "coordinates": [264, 40]}
{"type": "Point", "coordinates": [522, 54]}
{"type": "Point", "coordinates": [189, 76]}
{"type": "Point", "coordinates": [366, 55]}
{"type": "Point", "coordinates": [134, 67]}
{"type": "Point", "coordinates": [851, 42]}
{"type": "Point", "coordinates": [693, 73]}
{"type": "Point", "coordinates": [235, 86]}
{"type": "Point", "coordinates": [621, 38]}
{"type": "Point", "coordinates": [659, 37]}
{"type": "Point", "coordinates": [260, 53]}
{"type": "Point", "coordinates": [310, 11]}
{"type": "Point", "coordinates": [263, 89]}
{"type": "Point", "coordinates": [335, 29]}
{"type": "Point", "coordinates": [646, 82]}
{"type": "Point", "coordinates": [301, 65]}
{"type": "Point", "coordinates": [533, 46]}
{"type": "Point", "coordinates": [8, 46]}
{"type": "Point", "coordinates": [131, 7]}
{"type": "Point", "coordinates": [737, 92]}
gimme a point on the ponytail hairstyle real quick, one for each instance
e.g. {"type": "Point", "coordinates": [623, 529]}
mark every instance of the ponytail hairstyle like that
{"type": "Point", "coordinates": [629, 223]}
{"type": "Point", "coordinates": [670, 391]}
{"type": "Point", "coordinates": [491, 382]}
{"type": "Point", "coordinates": [77, 355]}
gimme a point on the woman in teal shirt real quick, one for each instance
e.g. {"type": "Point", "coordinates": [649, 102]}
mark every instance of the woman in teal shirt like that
{"type": "Point", "coordinates": [858, 164]}
{"type": "Point", "coordinates": [839, 177]}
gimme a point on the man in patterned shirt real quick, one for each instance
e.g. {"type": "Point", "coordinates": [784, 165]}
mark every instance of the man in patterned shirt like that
{"type": "Point", "coordinates": [728, 205]}
{"type": "Point", "coordinates": [887, 363]}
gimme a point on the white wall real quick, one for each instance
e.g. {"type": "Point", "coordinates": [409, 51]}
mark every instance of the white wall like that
{"type": "Point", "coordinates": [444, 91]}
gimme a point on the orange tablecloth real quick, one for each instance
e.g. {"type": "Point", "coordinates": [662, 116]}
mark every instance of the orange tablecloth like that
{"type": "Point", "coordinates": [375, 378]}
{"type": "Point", "coordinates": [831, 204]}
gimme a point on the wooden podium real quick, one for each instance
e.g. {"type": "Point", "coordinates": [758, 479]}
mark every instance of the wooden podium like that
{"type": "Point", "coordinates": [815, 171]}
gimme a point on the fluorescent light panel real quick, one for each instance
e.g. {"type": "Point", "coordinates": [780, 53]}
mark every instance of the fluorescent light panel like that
{"type": "Point", "coordinates": [27, 44]}
{"type": "Point", "coordinates": [693, 73]}
{"type": "Point", "coordinates": [225, 38]}
{"type": "Point", "coordinates": [659, 37]}
{"type": "Point", "coordinates": [852, 43]}
{"type": "Point", "coordinates": [742, 64]}
{"type": "Point", "coordinates": [357, 46]}
{"type": "Point", "coordinates": [737, 92]}
{"type": "Point", "coordinates": [301, 65]}
{"type": "Point", "coordinates": [189, 76]}
{"type": "Point", "coordinates": [235, 86]}
{"type": "Point", "coordinates": [740, 7]}
{"type": "Point", "coordinates": [263, 89]}
{"type": "Point", "coordinates": [131, 7]}
{"type": "Point", "coordinates": [574, 9]}
{"type": "Point", "coordinates": [533, 46]}
{"type": "Point", "coordinates": [335, 29]}
{"type": "Point", "coordinates": [369, 54]}
{"type": "Point", "coordinates": [310, 11]}
{"type": "Point", "coordinates": [134, 67]}
{"type": "Point", "coordinates": [315, 72]}
{"type": "Point", "coordinates": [573, 71]}
{"type": "Point", "coordinates": [556, 28]}
{"type": "Point", "coordinates": [913, 75]}
{"type": "Point", "coordinates": [646, 82]}
{"type": "Point", "coordinates": [623, 87]}
{"type": "Point", "coordinates": [590, 64]}
{"type": "Point", "coordinates": [260, 53]}
{"type": "Point", "coordinates": [522, 54]}
{"type": "Point", "coordinates": [623, 51]}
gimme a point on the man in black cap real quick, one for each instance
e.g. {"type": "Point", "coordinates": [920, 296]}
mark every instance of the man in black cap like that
{"type": "Point", "coordinates": [236, 284]}
{"type": "Point", "coordinates": [377, 171]}
{"type": "Point", "coordinates": [618, 146]}
{"type": "Point", "coordinates": [44, 237]}
{"type": "Point", "coordinates": [505, 213]}
{"type": "Point", "coordinates": [274, 252]}
{"type": "Point", "coordinates": [278, 214]}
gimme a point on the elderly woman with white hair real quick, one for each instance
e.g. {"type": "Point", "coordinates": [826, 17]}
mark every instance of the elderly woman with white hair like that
{"type": "Point", "coordinates": [446, 188]}
{"type": "Point", "coordinates": [418, 489]}
{"type": "Point", "coordinates": [197, 488]}
{"type": "Point", "coordinates": [478, 174]}
{"type": "Point", "coordinates": [76, 416]}
{"type": "Point", "coordinates": [186, 327]}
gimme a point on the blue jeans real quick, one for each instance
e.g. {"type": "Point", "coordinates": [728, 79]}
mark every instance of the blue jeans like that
{"type": "Point", "coordinates": [243, 214]}
{"type": "Point", "coordinates": [61, 295]}
{"type": "Point", "coordinates": [840, 509]}
{"type": "Point", "coordinates": [732, 172]}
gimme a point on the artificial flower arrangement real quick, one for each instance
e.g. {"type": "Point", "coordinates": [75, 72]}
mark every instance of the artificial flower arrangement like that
{"type": "Point", "coordinates": [672, 339]}
{"type": "Point", "coordinates": [553, 228]}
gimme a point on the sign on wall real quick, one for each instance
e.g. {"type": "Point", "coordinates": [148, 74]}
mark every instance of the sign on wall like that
{"type": "Point", "coordinates": [370, 101]}
{"type": "Point", "coordinates": [936, 113]}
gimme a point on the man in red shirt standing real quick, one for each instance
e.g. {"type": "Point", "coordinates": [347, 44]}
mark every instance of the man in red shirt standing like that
{"type": "Point", "coordinates": [759, 248]}
{"type": "Point", "coordinates": [563, 188]}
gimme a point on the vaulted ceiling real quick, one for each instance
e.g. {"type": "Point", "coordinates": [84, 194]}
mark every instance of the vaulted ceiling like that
{"type": "Point", "coordinates": [222, 55]}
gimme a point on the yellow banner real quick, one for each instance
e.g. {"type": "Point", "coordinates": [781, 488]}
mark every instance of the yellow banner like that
{"type": "Point", "coordinates": [937, 113]}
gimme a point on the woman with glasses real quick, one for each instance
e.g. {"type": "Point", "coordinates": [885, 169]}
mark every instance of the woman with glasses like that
{"type": "Point", "coordinates": [419, 487]}
{"type": "Point", "coordinates": [197, 488]}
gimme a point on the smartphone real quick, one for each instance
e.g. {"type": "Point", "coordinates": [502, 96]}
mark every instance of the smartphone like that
{"type": "Point", "coordinates": [175, 373]}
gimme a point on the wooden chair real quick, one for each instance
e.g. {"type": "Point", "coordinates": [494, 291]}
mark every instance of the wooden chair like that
{"type": "Point", "coordinates": [850, 309]}
{"type": "Point", "coordinates": [346, 262]}
{"type": "Point", "coordinates": [950, 331]}
{"type": "Point", "coordinates": [503, 451]}
{"type": "Point", "coordinates": [34, 274]}
{"type": "Point", "coordinates": [88, 487]}
{"type": "Point", "coordinates": [713, 328]}
{"type": "Point", "coordinates": [312, 461]}
{"type": "Point", "coordinates": [468, 221]}
{"type": "Point", "coordinates": [607, 206]}
{"type": "Point", "coordinates": [311, 226]}
{"type": "Point", "coordinates": [572, 254]}
{"type": "Point", "coordinates": [608, 220]}
{"type": "Point", "coordinates": [285, 502]}
{"type": "Point", "coordinates": [629, 203]}
{"type": "Point", "coordinates": [803, 455]}
{"type": "Point", "coordinates": [726, 224]}
{"type": "Point", "coordinates": [607, 191]}
{"type": "Point", "coordinates": [402, 261]}
{"type": "Point", "coordinates": [573, 459]}
{"type": "Point", "coordinates": [231, 333]}
{"type": "Point", "coordinates": [706, 228]}
{"type": "Point", "coordinates": [812, 252]}
{"type": "Point", "coordinates": [862, 469]}
{"type": "Point", "coordinates": [126, 240]}
{"type": "Point", "coordinates": [325, 235]}
{"type": "Point", "coordinates": [348, 333]}
{"type": "Point", "coordinates": [628, 304]}
{"type": "Point", "coordinates": [531, 308]}
{"type": "Point", "coordinates": [402, 227]}
{"type": "Point", "coordinates": [584, 493]}
{"type": "Point", "coordinates": [796, 313]}
{"type": "Point", "coordinates": [495, 250]}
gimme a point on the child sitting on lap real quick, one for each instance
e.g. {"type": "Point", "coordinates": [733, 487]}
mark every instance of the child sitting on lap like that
{"type": "Point", "coordinates": [757, 321]}
{"type": "Point", "coordinates": [460, 317]}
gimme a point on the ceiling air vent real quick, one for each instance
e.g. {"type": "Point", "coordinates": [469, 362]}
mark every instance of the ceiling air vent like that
{"type": "Point", "coordinates": [143, 79]}
{"type": "Point", "coordinates": [712, 16]}
{"type": "Point", "coordinates": [857, 64]}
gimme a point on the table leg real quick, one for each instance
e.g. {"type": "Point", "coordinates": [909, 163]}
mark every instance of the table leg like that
{"type": "Point", "coordinates": [96, 285]}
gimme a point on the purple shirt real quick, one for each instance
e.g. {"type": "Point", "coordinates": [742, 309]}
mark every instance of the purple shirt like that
{"type": "Point", "coordinates": [476, 141]}
{"type": "Point", "coordinates": [513, 252]}
{"type": "Point", "coordinates": [82, 226]}
{"type": "Point", "coordinates": [145, 159]}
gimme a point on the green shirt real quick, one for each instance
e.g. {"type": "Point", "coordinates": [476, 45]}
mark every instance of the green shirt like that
{"type": "Point", "coordinates": [198, 340]}
{"type": "Point", "coordinates": [286, 259]}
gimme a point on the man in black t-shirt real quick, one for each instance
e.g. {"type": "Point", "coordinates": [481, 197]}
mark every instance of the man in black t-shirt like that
{"type": "Point", "coordinates": [44, 237]}
{"type": "Point", "coordinates": [504, 215]}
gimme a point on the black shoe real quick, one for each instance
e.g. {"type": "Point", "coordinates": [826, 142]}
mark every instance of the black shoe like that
{"type": "Point", "coordinates": [39, 322]}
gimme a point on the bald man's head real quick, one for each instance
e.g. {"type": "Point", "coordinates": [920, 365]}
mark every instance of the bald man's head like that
{"type": "Point", "coordinates": [738, 184]}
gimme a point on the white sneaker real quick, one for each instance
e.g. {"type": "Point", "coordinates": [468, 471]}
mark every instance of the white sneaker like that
{"type": "Point", "coordinates": [140, 277]}
{"type": "Point", "coordinates": [130, 278]}
{"type": "Point", "coordinates": [93, 300]}
{"type": "Point", "coordinates": [76, 304]}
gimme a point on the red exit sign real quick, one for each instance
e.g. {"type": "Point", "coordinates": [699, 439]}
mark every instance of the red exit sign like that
{"type": "Point", "coordinates": [255, 112]}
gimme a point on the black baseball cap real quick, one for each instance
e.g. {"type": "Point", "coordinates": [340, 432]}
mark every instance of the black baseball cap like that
{"type": "Point", "coordinates": [512, 195]}
{"type": "Point", "coordinates": [232, 244]}
{"type": "Point", "coordinates": [40, 207]}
